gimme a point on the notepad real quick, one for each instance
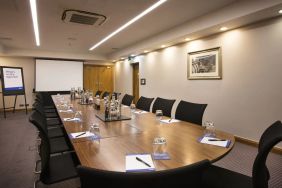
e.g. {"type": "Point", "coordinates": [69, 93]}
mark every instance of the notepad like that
{"type": "Point", "coordinates": [66, 111]}
{"type": "Point", "coordinates": [134, 165]}
{"type": "Point", "coordinates": [76, 135]}
{"type": "Point", "coordinates": [205, 140]}
{"type": "Point", "coordinates": [81, 135]}
{"type": "Point", "coordinates": [170, 120]}
{"type": "Point", "coordinates": [140, 112]}
{"type": "Point", "coordinates": [72, 119]}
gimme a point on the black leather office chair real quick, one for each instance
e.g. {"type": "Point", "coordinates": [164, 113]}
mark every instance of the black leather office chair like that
{"type": "Point", "coordinates": [217, 177]}
{"type": "Point", "coordinates": [98, 93]}
{"type": "Point", "coordinates": [57, 144]}
{"type": "Point", "coordinates": [144, 103]}
{"type": "Point", "coordinates": [43, 98]}
{"type": "Point", "coordinates": [191, 112]}
{"type": "Point", "coordinates": [187, 176]}
{"type": "Point", "coordinates": [40, 108]}
{"type": "Point", "coordinates": [105, 94]}
{"type": "Point", "coordinates": [52, 119]}
{"type": "Point", "coordinates": [116, 94]}
{"type": "Point", "coordinates": [163, 104]}
{"type": "Point", "coordinates": [55, 168]}
{"type": "Point", "coordinates": [127, 100]}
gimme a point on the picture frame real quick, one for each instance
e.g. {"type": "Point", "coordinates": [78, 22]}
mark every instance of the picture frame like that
{"type": "Point", "coordinates": [205, 64]}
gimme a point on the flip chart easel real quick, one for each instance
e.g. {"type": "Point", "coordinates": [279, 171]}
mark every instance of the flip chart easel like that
{"type": "Point", "coordinates": [12, 85]}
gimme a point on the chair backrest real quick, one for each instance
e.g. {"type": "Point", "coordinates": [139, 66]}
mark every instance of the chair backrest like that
{"type": "Point", "coordinates": [127, 100]}
{"type": "Point", "coordinates": [39, 97]}
{"type": "Point", "coordinates": [98, 93]}
{"type": "Point", "coordinates": [163, 104]}
{"type": "Point", "coordinates": [116, 94]}
{"type": "Point", "coordinates": [187, 176]}
{"type": "Point", "coordinates": [270, 137]}
{"type": "Point", "coordinates": [191, 112]}
{"type": "Point", "coordinates": [144, 103]}
{"type": "Point", "coordinates": [105, 94]}
{"type": "Point", "coordinates": [39, 122]}
{"type": "Point", "coordinates": [39, 108]}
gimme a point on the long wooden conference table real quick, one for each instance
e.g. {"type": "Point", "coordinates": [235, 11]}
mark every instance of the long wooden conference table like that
{"type": "Point", "coordinates": [136, 136]}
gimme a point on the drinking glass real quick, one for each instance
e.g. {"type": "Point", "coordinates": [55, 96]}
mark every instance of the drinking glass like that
{"type": "Point", "coordinates": [159, 146]}
{"type": "Point", "coordinates": [95, 129]}
{"type": "Point", "coordinates": [209, 128]}
{"type": "Point", "coordinates": [132, 107]}
{"type": "Point", "coordinates": [79, 90]}
{"type": "Point", "coordinates": [72, 93]}
{"type": "Point", "coordinates": [159, 114]}
{"type": "Point", "coordinates": [78, 115]}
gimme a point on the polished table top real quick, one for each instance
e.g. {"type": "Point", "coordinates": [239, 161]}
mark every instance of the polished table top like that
{"type": "Point", "coordinates": [120, 138]}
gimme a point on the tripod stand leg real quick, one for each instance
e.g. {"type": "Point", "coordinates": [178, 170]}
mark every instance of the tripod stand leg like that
{"type": "Point", "coordinates": [4, 108]}
{"type": "Point", "coordinates": [15, 104]}
{"type": "Point", "coordinates": [25, 104]}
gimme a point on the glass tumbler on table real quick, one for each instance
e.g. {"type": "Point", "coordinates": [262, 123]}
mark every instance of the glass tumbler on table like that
{"type": "Point", "coordinates": [159, 114]}
{"type": "Point", "coordinates": [159, 146]}
{"type": "Point", "coordinates": [78, 116]}
{"type": "Point", "coordinates": [132, 108]}
{"type": "Point", "coordinates": [209, 128]}
{"type": "Point", "coordinates": [95, 129]}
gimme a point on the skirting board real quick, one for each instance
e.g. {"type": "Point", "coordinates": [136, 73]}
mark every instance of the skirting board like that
{"type": "Point", "coordinates": [19, 109]}
{"type": "Point", "coordinates": [255, 144]}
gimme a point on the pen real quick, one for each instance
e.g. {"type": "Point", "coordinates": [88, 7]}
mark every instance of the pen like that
{"type": "Point", "coordinates": [216, 140]}
{"type": "Point", "coordinates": [80, 134]}
{"type": "Point", "coordinates": [138, 159]}
{"type": "Point", "coordinates": [169, 120]}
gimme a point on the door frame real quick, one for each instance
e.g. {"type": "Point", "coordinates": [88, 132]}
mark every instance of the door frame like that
{"type": "Point", "coordinates": [133, 83]}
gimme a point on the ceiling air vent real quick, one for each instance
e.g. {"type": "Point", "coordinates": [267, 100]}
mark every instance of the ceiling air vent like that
{"type": "Point", "coordinates": [83, 17]}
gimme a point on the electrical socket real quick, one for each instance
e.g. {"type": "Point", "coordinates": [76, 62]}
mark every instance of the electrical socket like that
{"type": "Point", "coordinates": [22, 105]}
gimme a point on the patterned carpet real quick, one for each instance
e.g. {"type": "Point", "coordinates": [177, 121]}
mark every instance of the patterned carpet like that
{"type": "Point", "coordinates": [17, 151]}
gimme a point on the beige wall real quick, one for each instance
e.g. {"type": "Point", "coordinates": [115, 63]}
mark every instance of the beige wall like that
{"type": "Point", "coordinates": [248, 98]}
{"type": "Point", "coordinates": [123, 77]}
{"type": "Point", "coordinates": [28, 70]}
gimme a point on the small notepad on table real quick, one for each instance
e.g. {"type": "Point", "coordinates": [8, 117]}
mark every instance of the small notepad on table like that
{"type": "Point", "coordinates": [85, 134]}
{"type": "Point", "coordinates": [81, 134]}
{"type": "Point", "coordinates": [170, 120]}
{"type": "Point", "coordinates": [66, 111]}
{"type": "Point", "coordinates": [215, 141]}
{"type": "Point", "coordinates": [139, 163]}
{"type": "Point", "coordinates": [140, 112]}
{"type": "Point", "coordinates": [72, 119]}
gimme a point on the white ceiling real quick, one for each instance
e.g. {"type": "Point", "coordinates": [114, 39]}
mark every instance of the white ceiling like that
{"type": "Point", "coordinates": [56, 36]}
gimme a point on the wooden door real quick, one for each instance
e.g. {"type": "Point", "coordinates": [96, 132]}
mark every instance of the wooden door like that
{"type": "Point", "coordinates": [106, 78]}
{"type": "Point", "coordinates": [90, 78]}
{"type": "Point", "coordinates": [135, 82]}
{"type": "Point", "coordinates": [97, 77]}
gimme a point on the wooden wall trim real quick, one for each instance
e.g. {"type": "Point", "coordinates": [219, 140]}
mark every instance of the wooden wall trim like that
{"type": "Point", "coordinates": [253, 143]}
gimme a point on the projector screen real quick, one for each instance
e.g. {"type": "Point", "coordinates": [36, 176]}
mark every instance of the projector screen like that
{"type": "Point", "coordinates": [58, 75]}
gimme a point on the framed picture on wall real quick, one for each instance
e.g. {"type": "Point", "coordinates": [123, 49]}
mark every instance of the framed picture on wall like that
{"type": "Point", "coordinates": [205, 64]}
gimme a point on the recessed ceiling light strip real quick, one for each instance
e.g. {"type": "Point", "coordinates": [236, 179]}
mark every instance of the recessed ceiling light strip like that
{"type": "Point", "coordinates": [35, 21]}
{"type": "Point", "coordinates": [129, 23]}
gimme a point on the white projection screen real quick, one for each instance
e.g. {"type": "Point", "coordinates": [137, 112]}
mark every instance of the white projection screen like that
{"type": "Point", "coordinates": [58, 75]}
